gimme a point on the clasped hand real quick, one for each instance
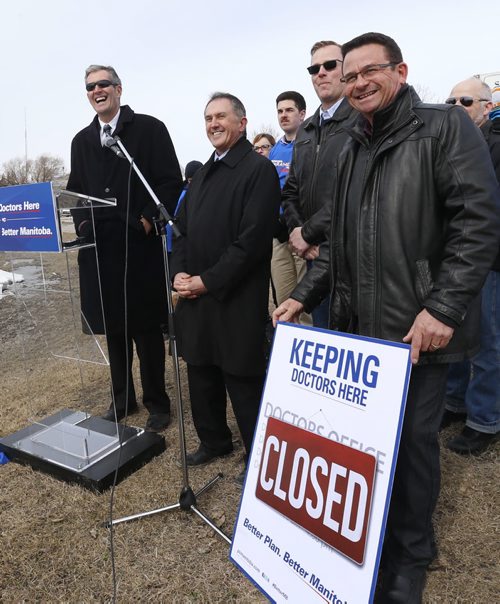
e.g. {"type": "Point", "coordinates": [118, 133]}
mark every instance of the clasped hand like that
{"type": "Point", "coordinates": [189, 286]}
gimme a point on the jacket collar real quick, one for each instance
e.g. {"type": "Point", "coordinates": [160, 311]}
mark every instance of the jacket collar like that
{"type": "Point", "coordinates": [344, 110]}
{"type": "Point", "coordinates": [390, 119]}
{"type": "Point", "coordinates": [234, 155]}
{"type": "Point", "coordinates": [126, 116]}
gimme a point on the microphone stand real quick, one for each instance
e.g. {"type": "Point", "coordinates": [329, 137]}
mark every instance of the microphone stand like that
{"type": "Point", "coordinates": [187, 498]}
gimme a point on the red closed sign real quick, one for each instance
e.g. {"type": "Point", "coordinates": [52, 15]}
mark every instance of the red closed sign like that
{"type": "Point", "coordinates": [322, 485]}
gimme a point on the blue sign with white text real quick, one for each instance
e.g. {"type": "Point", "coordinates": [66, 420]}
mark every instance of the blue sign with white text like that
{"type": "Point", "coordinates": [28, 219]}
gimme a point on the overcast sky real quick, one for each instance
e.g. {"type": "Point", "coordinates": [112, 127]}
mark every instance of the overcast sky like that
{"type": "Point", "coordinates": [172, 54]}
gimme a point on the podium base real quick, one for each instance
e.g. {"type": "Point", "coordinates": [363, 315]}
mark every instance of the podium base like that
{"type": "Point", "coordinates": [77, 447]}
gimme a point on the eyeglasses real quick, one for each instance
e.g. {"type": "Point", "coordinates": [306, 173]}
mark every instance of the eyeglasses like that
{"type": "Point", "coordinates": [367, 73]}
{"type": "Point", "coordinates": [327, 65]}
{"type": "Point", "coordinates": [101, 83]}
{"type": "Point", "coordinates": [259, 147]}
{"type": "Point", "coordinates": [466, 101]}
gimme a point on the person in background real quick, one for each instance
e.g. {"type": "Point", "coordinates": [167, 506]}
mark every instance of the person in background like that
{"type": "Point", "coordinates": [473, 386]}
{"type": "Point", "coordinates": [125, 241]}
{"type": "Point", "coordinates": [191, 168]}
{"type": "Point", "coordinates": [287, 267]}
{"type": "Point", "coordinates": [263, 143]}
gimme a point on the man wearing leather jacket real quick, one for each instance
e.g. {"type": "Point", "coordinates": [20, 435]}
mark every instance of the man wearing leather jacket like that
{"type": "Point", "coordinates": [413, 234]}
{"type": "Point", "coordinates": [318, 142]}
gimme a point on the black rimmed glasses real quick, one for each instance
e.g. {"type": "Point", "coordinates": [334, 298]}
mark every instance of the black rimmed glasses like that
{"type": "Point", "coordinates": [327, 66]}
{"type": "Point", "coordinates": [367, 73]}
{"type": "Point", "coordinates": [101, 83]}
{"type": "Point", "coordinates": [466, 101]}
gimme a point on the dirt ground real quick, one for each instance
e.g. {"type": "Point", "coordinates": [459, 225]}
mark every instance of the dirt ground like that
{"type": "Point", "coordinates": [52, 543]}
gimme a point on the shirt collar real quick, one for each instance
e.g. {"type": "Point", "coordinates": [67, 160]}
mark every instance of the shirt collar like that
{"type": "Point", "coordinates": [327, 114]}
{"type": "Point", "coordinates": [112, 123]}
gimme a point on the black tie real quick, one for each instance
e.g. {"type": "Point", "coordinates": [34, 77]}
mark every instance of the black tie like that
{"type": "Point", "coordinates": [106, 129]}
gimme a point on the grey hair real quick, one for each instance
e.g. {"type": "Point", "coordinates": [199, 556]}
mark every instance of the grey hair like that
{"type": "Point", "coordinates": [486, 91]}
{"type": "Point", "coordinates": [238, 106]}
{"type": "Point", "coordinates": [114, 77]}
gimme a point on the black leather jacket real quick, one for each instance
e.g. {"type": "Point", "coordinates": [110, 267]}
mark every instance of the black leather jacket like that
{"type": "Point", "coordinates": [427, 230]}
{"type": "Point", "coordinates": [309, 185]}
{"type": "Point", "coordinates": [491, 132]}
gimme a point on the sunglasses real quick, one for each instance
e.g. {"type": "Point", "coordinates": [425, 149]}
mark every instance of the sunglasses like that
{"type": "Point", "coordinates": [101, 83]}
{"type": "Point", "coordinates": [328, 66]}
{"type": "Point", "coordinates": [466, 101]}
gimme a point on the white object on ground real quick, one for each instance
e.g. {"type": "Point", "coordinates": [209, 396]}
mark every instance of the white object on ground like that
{"type": "Point", "coordinates": [8, 278]}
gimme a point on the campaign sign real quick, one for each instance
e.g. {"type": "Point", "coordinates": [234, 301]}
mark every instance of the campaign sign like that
{"type": "Point", "coordinates": [312, 516]}
{"type": "Point", "coordinates": [28, 219]}
{"type": "Point", "coordinates": [323, 486]}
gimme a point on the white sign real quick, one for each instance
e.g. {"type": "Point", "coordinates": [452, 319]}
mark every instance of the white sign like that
{"type": "Point", "coordinates": [312, 516]}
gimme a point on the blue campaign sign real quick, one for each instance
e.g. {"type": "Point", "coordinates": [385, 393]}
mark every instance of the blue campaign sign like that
{"type": "Point", "coordinates": [28, 219]}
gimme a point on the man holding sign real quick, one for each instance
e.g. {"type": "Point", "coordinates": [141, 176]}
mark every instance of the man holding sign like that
{"type": "Point", "coordinates": [412, 238]}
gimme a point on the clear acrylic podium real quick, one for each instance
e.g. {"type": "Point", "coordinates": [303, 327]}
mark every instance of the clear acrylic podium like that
{"type": "Point", "coordinates": [61, 379]}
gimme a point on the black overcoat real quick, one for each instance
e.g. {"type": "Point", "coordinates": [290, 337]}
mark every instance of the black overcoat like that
{"type": "Point", "coordinates": [227, 219]}
{"type": "Point", "coordinates": [97, 171]}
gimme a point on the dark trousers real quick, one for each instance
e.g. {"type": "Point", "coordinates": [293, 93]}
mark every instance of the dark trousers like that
{"type": "Point", "coordinates": [150, 349]}
{"type": "Point", "coordinates": [207, 389]}
{"type": "Point", "coordinates": [409, 543]}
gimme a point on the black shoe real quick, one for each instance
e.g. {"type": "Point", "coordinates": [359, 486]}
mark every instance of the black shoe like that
{"type": "Point", "coordinates": [120, 413]}
{"type": "Point", "coordinates": [157, 422]}
{"type": "Point", "coordinates": [450, 417]}
{"type": "Point", "coordinates": [203, 456]}
{"type": "Point", "coordinates": [471, 442]}
{"type": "Point", "coordinates": [399, 589]}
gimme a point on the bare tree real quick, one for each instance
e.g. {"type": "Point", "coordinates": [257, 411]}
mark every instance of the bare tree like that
{"type": "Point", "coordinates": [44, 168]}
{"type": "Point", "coordinates": [265, 128]}
{"type": "Point", "coordinates": [426, 94]}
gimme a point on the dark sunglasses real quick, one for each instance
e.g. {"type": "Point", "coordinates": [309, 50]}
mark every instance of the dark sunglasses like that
{"type": "Point", "coordinates": [101, 83]}
{"type": "Point", "coordinates": [466, 101]}
{"type": "Point", "coordinates": [328, 65]}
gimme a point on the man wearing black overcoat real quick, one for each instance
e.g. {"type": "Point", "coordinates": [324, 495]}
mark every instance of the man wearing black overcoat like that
{"type": "Point", "coordinates": [221, 269]}
{"type": "Point", "coordinates": [125, 240]}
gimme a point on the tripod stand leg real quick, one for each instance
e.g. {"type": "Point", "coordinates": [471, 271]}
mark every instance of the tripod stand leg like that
{"type": "Point", "coordinates": [210, 524]}
{"type": "Point", "coordinates": [167, 508]}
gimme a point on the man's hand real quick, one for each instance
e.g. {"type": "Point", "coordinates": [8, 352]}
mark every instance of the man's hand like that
{"type": "Point", "coordinates": [146, 224]}
{"type": "Point", "coordinates": [427, 334]}
{"type": "Point", "coordinates": [189, 286]}
{"type": "Point", "coordinates": [312, 253]}
{"type": "Point", "coordinates": [288, 311]}
{"type": "Point", "coordinates": [297, 243]}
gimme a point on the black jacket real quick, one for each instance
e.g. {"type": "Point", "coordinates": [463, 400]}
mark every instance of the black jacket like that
{"type": "Point", "coordinates": [426, 232]}
{"type": "Point", "coordinates": [309, 186]}
{"type": "Point", "coordinates": [97, 171]}
{"type": "Point", "coordinates": [491, 131]}
{"type": "Point", "coordinates": [227, 220]}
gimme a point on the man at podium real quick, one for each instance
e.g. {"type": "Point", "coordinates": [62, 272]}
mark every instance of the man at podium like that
{"type": "Point", "coordinates": [122, 286]}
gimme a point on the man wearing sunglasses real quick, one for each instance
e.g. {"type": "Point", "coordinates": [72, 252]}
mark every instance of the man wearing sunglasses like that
{"type": "Point", "coordinates": [473, 387]}
{"type": "Point", "coordinates": [125, 242]}
{"type": "Point", "coordinates": [308, 189]}
{"type": "Point", "coordinates": [475, 97]}
{"type": "Point", "coordinates": [414, 232]}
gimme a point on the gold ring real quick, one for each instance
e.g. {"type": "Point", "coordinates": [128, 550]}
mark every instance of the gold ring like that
{"type": "Point", "coordinates": [434, 347]}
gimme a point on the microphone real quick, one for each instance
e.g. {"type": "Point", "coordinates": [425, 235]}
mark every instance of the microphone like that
{"type": "Point", "coordinates": [110, 143]}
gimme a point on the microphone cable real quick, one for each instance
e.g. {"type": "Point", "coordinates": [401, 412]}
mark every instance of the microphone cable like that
{"type": "Point", "coordinates": [127, 384]}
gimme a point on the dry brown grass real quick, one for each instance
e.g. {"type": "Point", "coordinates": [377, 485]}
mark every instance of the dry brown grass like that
{"type": "Point", "coordinates": [54, 548]}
